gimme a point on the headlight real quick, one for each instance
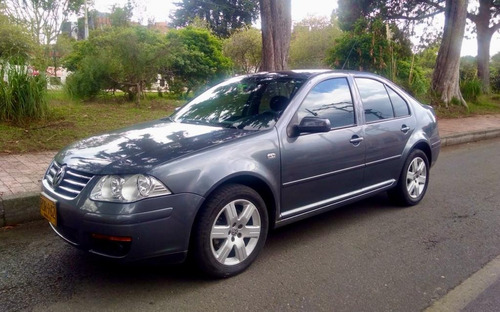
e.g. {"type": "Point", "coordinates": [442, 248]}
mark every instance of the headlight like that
{"type": "Point", "coordinates": [127, 188]}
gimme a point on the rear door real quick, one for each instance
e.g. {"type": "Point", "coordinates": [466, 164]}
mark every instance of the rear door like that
{"type": "Point", "coordinates": [388, 126]}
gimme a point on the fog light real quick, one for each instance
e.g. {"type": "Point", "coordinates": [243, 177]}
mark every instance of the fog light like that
{"type": "Point", "coordinates": [112, 238]}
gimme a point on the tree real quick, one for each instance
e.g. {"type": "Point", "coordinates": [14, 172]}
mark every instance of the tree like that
{"type": "Point", "coordinates": [370, 47]}
{"type": "Point", "coordinates": [223, 16]}
{"type": "Point", "coordinates": [58, 50]}
{"type": "Point", "coordinates": [43, 17]}
{"type": "Point", "coordinates": [349, 11]}
{"type": "Point", "coordinates": [311, 40]}
{"type": "Point", "coordinates": [15, 41]}
{"type": "Point", "coordinates": [121, 16]}
{"type": "Point", "coordinates": [125, 58]}
{"type": "Point", "coordinates": [487, 22]}
{"type": "Point", "coordinates": [485, 17]}
{"type": "Point", "coordinates": [276, 23]}
{"type": "Point", "coordinates": [244, 48]}
{"type": "Point", "coordinates": [195, 58]}
{"type": "Point", "coordinates": [445, 80]}
{"type": "Point", "coordinates": [377, 47]}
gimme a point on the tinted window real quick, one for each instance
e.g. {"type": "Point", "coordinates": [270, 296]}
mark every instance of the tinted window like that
{"type": "Point", "coordinates": [375, 99]}
{"type": "Point", "coordinates": [398, 103]}
{"type": "Point", "coordinates": [330, 99]}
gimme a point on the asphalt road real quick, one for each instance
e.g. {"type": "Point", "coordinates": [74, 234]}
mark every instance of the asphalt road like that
{"type": "Point", "coordinates": [370, 256]}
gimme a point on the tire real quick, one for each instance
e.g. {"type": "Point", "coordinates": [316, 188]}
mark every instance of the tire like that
{"type": "Point", "coordinates": [230, 231]}
{"type": "Point", "coordinates": [413, 180]}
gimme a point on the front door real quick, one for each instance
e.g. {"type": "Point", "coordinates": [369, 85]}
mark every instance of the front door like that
{"type": "Point", "coordinates": [320, 169]}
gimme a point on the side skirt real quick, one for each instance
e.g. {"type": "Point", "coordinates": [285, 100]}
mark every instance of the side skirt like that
{"type": "Point", "coordinates": [332, 203]}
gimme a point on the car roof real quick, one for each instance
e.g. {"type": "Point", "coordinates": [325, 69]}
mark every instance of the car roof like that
{"type": "Point", "coordinates": [308, 73]}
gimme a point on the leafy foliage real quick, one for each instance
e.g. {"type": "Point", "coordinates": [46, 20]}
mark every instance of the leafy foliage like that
{"type": "Point", "coordinates": [125, 58]}
{"type": "Point", "coordinates": [468, 68]}
{"type": "Point", "coordinates": [130, 58]}
{"type": "Point", "coordinates": [15, 41]}
{"type": "Point", "coordinates": [377, 47]}
{"type": "Point", "coordinates": [349, 11]}
{"type": "Point", "coordinates": [43, 17]}
{"type": "Point", "coordinates": [121, 16]}
{"type": "Point", "coordinates": [368, 48]}
{"type": "Point", "coordinates": [312, 38]}
{"type": "Point", "coordinates": [495, 72]}
{"type": "Point", "coordinates": [223, 16]}
{"type": "Point", "coordinates": [244, 48]}
{"type": "Point", "coordinates": [194, 59]}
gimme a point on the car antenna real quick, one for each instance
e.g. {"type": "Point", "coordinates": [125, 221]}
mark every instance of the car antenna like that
{"type": "Point", "coordinates": [348, 55]}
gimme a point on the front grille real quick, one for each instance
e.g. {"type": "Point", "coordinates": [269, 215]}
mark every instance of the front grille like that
{"type": "Point", "coordinates": [66, 182]}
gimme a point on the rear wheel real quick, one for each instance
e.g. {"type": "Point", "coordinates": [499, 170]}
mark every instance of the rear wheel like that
{"type": "Point", "coordinates": [230, 231]}
{"type": "Point", "coordinates": [413, 180]}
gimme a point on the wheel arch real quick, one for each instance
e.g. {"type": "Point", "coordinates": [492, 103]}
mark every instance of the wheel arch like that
{"type": "Point", "coordinates": [424, 147]}
{"type": "Point", "coordinates": [254, 182]}
{"type": "Point", "coordinates": [420, 145]}
{"type": "Point", "coordinates": [260, 186]}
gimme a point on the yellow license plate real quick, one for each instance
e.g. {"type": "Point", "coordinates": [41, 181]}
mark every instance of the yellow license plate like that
{"type": "Point", "coordinates": [48, 209]}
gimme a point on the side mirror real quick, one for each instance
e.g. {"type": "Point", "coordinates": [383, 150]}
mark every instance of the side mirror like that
{"type": "Point", "coordinates": [312, 125]}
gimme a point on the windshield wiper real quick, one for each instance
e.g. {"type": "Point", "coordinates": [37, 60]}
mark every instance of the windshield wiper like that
{"type": "Point", "coordinates": [311, 112]}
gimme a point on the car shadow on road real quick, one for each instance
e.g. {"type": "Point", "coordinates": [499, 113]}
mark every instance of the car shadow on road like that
{"type": "Point", "coordinates": [284, 237]}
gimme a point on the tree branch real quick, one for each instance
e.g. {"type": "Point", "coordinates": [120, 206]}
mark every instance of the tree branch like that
{"type": "Point", "coordinates": [414, 18]}
{"type": "Point", "coordinates": [495, 27]}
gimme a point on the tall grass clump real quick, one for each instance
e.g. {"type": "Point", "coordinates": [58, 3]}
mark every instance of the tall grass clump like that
{"type": "Point", "coordinates": [22, 95]}
{"type": "Point", "coordinates": [471, 89]}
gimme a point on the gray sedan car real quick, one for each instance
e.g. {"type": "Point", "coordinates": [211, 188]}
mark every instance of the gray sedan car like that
{"type": "Point", "coordinates": [250, 154]}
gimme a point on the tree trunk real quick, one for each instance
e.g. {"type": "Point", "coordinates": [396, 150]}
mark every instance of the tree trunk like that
{"type": "Point", "coordinates": [484, 34]}
{"type": "Point", "coordinates": [483, 57]}
{"type": "Point", "coordinates": [276, 23]}
{"type": "Point", "coordinates": [445, 79]}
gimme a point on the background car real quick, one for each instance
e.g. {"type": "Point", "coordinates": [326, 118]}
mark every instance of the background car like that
{"type": "Point", "coordinates": [252, 153]}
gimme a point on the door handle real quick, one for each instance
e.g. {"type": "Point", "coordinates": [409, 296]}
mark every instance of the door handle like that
{"type": "Point", "coordinates": [405, 128]}
{"type": "Point", "coordinates": [356, 139]}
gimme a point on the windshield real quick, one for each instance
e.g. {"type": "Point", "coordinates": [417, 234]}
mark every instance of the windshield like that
{"type": "Point", "coordinates": [249, 103]}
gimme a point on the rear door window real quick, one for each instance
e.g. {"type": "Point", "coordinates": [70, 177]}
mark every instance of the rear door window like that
{"type": "Point", "coordinates": [398, 103]}
{"type": "Point", "coordinates": [376, 101]}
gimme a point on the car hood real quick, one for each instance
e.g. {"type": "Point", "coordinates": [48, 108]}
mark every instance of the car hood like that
{"type": "Point", "coordinates": [141, 147]}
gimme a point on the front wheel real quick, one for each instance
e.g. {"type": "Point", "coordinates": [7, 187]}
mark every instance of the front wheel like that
{"type": "Point", "coordinates": [413, 180]}
{"type": "Point", "coordinates": [230, 231]}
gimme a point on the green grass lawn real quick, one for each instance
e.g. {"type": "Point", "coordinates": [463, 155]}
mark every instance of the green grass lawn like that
{"type": "Point", "coordinates": [69, 121]}
{"type": "Point", "coordinates": [483, 106]}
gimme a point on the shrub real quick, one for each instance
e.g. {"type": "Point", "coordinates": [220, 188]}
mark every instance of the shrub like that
{"type": "Point", "coordinates": [22, 95]}
{"type": "Point", "coordinates": [87, 83]}
{"type": "Point", "coordinates": [411, 78]}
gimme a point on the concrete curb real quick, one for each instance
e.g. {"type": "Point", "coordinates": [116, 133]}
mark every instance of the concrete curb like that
{"type": "Point", "coordinates": [19, 208]}
{"type": "Point", "coordinates": [470, 137]}
{"type": "Point", "coordinates": [24, 207]}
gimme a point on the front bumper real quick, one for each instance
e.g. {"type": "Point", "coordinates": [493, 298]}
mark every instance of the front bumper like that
{"type": "Point", "coordinates": [154, 227]}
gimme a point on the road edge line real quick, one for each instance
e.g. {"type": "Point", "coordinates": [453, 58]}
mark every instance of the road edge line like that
{"type": "Point", "coordinates": [459, 297]}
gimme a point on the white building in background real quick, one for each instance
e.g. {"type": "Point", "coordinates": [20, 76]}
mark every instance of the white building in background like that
{"type": "Point", "coordinates": [56, 77]}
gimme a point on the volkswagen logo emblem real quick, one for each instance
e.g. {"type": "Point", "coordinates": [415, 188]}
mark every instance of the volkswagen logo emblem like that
{"type": "Point", "coordinates": [59, 176]}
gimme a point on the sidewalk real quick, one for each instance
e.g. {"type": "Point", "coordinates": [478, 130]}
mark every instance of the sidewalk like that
{"type": "Point", "coordinates": [20, 175]}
